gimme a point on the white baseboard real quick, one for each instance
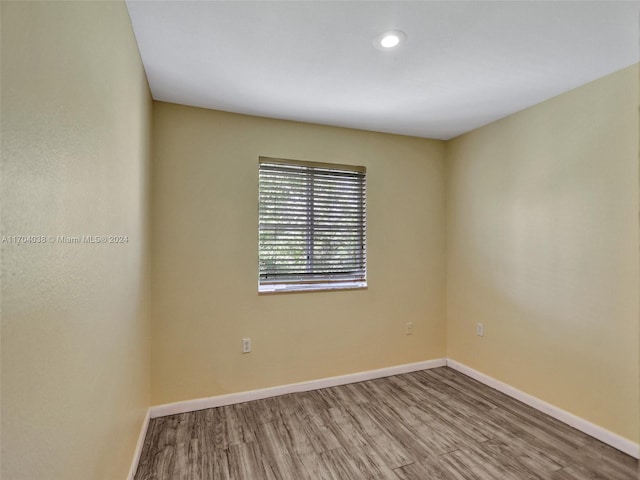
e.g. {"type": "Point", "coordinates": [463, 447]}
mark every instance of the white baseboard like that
{"type": "Point", "coordinates": [624, 445]}
{"type": "Point", "coordinates": [138, 451]}
{"type": "Point", "coordinates": [602, 434]}
{"type": "Point", "coordinates": [241, 397]}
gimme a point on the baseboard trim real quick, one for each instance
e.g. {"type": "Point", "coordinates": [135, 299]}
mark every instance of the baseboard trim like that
{"type": "Point", "coordinates": [139, 445]}
{"type": "Point", "coordinates": [616, 441]}
{"type": "Point", "coordinates": [241, 397]}
{"type": "Point", "coordinates": [602, 434]}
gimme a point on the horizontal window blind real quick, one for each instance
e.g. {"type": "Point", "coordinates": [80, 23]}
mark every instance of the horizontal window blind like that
{"type": "Point", "coordinates": [312, 222]}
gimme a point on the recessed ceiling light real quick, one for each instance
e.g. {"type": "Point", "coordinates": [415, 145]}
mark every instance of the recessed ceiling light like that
{"type": "Point", "coordinates": [389, 40]}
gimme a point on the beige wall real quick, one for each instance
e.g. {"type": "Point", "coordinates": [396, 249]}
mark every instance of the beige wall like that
{"type": "Point", "coordinates": [76, 117]}
{"type": "Point", "coordinates": [205, 257]}
{"type": "Point", "coordinates": [542, 247]}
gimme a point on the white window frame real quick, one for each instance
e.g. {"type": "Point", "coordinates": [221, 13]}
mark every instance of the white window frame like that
{"type": "Point", "coordinates": [329, 219]}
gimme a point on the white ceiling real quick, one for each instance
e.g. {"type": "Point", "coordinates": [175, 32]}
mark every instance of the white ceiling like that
{"type": "Point", "coordinates": [463, 65]}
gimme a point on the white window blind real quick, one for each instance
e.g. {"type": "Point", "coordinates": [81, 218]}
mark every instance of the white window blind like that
{"type": "Point", "coordinates": [312, 232]}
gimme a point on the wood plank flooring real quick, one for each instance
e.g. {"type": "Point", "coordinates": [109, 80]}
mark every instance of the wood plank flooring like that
{"type": "Point", "coordinates": [434, 424]}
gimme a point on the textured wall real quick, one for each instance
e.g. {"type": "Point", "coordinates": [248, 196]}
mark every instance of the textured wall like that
{"type": "Point", "coordinates": [76, 117]}
{"type": "Point", "coordinates": [542, 213]}
{"type": "Point", "coordinates": [205, 257]}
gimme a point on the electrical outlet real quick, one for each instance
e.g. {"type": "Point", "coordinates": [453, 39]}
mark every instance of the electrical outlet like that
{"type": "Point", "coordinates": [479, 329]}
{"type": "Point", "coordinates": [246, 345]}
{"type": "Point", "coordinates": [408, 328]}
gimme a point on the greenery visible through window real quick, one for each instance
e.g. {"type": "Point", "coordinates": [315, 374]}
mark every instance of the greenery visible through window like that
{"type": "Point", "coordinates": [312, 226]}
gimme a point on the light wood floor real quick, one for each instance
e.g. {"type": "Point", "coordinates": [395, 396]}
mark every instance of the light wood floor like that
{"type": "Point", "coordinates": [433, 424]}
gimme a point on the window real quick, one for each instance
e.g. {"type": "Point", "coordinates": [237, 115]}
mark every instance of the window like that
{"type": "Point", "coordinates": [312, 232]}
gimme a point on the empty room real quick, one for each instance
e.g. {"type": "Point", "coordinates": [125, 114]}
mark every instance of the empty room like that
{"type": "Point", "coordinates": [319, 240]}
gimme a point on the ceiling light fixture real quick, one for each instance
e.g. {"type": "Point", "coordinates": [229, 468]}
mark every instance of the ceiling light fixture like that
{"type": "Point", "coordinates": [389, 40]}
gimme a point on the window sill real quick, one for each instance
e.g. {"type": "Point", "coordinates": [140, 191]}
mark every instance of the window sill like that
{"type": "Point", "coordinates": [315, 287]}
